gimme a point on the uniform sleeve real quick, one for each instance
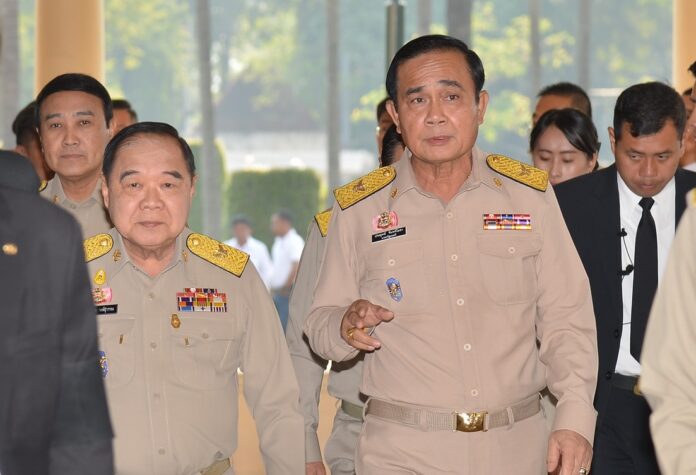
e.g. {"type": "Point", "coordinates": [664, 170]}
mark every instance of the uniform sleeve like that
{"type": "Point", "coordinates": [81, 442]}
{"type": "Point", "coordinates": [309, 367]}
{"type": "Point", "coordinates": [337, 288]}
{"type": "Point", "coordinates": [668, 379]}
{"type": "Point", "coordinates": [566, 326]}
{"type": "Point", "coordinates": [270, 387]}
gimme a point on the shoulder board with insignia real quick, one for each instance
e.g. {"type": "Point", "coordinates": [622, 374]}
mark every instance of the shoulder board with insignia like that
{"type": "Point", "coordinates": [322, 220]}
{"type": "Point", "coordinates": [518, 171]}
{"type": "Point", "coordinates": [43, 185]}
{"type": "Point", "coordinates": [225, 257]}
{"type": "Point", "coordinates": [97, 246]}
{"type": "Point", "coordinates": [691, 198]}
{"type": "Point", "coordinates": [356, 190]}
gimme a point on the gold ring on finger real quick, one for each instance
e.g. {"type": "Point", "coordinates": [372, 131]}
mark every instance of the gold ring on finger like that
{"type": "Point", "coordinates": [350, 332]}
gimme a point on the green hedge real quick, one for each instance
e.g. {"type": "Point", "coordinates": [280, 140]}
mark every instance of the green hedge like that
{"type": "Point", "coordinates": [259, 194]}
{"type": "Point", "coordinates": [195, 220]}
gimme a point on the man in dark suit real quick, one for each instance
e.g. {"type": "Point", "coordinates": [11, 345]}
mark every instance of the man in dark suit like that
{"type": "Point", "coordinates": [622, 220]}
{"type": "Point", "coordinates": [53, 414]}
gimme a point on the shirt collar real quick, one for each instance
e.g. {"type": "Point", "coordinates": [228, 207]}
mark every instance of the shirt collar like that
{"type": "Point", "coordinates": [121, 258]}
{"type": "Point", "coordinates": [59, 197]}
{"type": "Point", "coordinates": [480, 174]}
{"type": "Point", "coordinates": [630, 201]}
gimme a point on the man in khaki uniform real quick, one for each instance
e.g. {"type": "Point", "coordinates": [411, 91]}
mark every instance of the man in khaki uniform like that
{"type": "Point", "coordinates": [345, 377]}
{"type": "Point", "coordinates": [73, 116]}
{"type": "Point", "coordinates": [445, 269]}
{"type": "Point", "coordinates": [178, 314]}
{"type": "Point", "coordinates": [669, 354]}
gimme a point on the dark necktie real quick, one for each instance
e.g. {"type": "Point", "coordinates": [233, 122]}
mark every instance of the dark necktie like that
{"type": "Point", "coordinates": [645, 276]}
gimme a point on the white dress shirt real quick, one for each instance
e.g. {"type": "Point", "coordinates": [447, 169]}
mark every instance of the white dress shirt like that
{"type": "Point", "coordinates": [258, 253]}
{"type": "Point", "coordinates": [286, 251]}
{"type": "Point", "coordinates": [663, 212]}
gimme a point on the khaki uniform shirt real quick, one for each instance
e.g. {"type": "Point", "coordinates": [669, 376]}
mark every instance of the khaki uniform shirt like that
{"type": "Point", "coordinates": [344, 381]}
{"type": "Point", "coordinates": [171, 372]}
{"type": "Point", "coordinates": [469, 303]}
{"type": "Point", "coordinates": [669, 354]}
{"type": "Point", "coordinates": [91, 214]}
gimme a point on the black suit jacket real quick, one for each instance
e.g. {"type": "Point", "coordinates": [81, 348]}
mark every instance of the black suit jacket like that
{"type": "Point", "coordinates": [53, 414]}
{"type": "Point", "coordinates": [590, 206]}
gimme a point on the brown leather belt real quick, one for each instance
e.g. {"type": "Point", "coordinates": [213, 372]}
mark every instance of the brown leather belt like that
{"type": "Point", "coordinates": [353, 410]}
{"type": "Point", "coordinates": [218, 468]}
{"type": "Point", "coordinates": [427, 419]}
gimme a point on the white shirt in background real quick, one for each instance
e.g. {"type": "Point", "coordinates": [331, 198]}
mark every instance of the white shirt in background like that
{"type": "Point", "coordinates": [258, 253]}
{"type": "Point", "coordinates": [286, 251]}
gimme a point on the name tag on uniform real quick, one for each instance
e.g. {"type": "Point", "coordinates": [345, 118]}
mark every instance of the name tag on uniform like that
{"type": "Point", "coordinates": [107, 309]}
{"type": "Point", "coordinates": [392, 233]}
{"type": "Point", "coordinates": [507, 221]}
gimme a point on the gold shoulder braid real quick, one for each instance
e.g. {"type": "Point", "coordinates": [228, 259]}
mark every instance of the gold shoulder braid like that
{"type": "Point", "coordinates": [97, 246]}
{"type": "Point", "coordinates": [356, 190]}
{"type": "Point", "coordinates": [225, 257]}
{"type": "Point", "coordinates": [322, 220]}
{"type": "Point", "coordinates": [691, 198]}
{"type": "Point", "coordinates": [518, 171]}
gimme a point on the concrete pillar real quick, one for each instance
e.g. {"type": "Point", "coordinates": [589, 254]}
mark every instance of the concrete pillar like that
{"type": "Point", "coordinates": [683, 43]}
{"type": "Point", "coordinates": [69, 38]}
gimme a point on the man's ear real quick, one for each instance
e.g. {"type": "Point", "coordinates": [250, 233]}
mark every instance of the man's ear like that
{"type": "Point", "coordinates": [105, 191]}
{"type": "Point", "coordinates": [394, 114]}
{"type": "Point", "coordinates": [612, 140]}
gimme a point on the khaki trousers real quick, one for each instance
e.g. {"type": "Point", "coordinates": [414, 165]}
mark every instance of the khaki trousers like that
{"type": "Point", "coordinates": [339, 451]}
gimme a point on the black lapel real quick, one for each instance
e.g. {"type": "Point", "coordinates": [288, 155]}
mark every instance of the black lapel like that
{"type": "Point", "coordinates": [681, 189]}
{"type": "Point", "coordinates": [607, 224]}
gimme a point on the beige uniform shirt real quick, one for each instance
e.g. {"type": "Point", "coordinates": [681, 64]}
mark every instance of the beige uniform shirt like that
{"type": "Point", "coordinates": [171, 348]}
{"type": "Point", "coordinates": [91, 214]}
{"type": "Point", "coordinates": [469, 303]}
{"type": "Point", "coordinates": [344, 381]}
{"type": "Point", "coordinates": [668, 378]}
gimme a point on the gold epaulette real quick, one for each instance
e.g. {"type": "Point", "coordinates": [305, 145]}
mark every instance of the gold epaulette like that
{"type": "Point", "coordinates": [356, 190]}
{"type": "Point", "coordinates": [43, 185]}
{"type": "Point", "coordinates": [322, 220]}
{"type": "Point", "coordinates": [691, 198]}
{"type": "Point", "coordinates": [225, 257]}
{"type": "Point", "coordinates": [97, 246]}
{"type": "Point", "coordinates": [518, 171]}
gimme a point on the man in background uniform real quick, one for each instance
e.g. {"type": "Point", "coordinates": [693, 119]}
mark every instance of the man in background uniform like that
{"type": "Point", "coordinates": [178, 314]}
{"type": "Point", "coordinates": [669, 354]}
{"type": "Point", "coordinates": [444, 270]}
{"type": "Point", "coordinates": [28, 142]}
{"type": "Point", "coordinates": [73, 116]}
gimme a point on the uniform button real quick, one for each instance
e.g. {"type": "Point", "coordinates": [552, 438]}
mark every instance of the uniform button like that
{"type": "Point", "coordinates": [467, 347]}
{"type": "Point", "coordinates": [161, 451]}
{"type": "Point", "coordinates": [391, 262]}
{"type": "Point", "coordinates": [474, 392]}
{"type": "Point", "coordinates": [617, 333]}
{"type": "Point", "coordinates": [153, 345]}
{"type": "Point", "coordinates": [156, 396]}
{"type": "Point", "coordinates": [460, 302]}
{"type": "Point", "coordinates": [219, 455]}
{"type": "Point", "coordinates": [607, 375]}
{"type": "Point", "coordinates": [450, 214]}
{"type": "Point", "coordinates": [205, 336]}
{"type": "Point", "coordinates": [151, 295]}
{"type": "Point", "coordinates": [454, 257]}
{"type": "Point", "coordinates": [511, 249]}
{"type": "Point", "coordinates": [72, 206]}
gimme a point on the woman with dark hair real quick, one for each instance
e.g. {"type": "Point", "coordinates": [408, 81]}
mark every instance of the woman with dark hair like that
{"type": "Point", "coordinates": [564, 143]}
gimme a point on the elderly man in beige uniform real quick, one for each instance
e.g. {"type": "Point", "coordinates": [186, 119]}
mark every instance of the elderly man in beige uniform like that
{"type": "Point", "coordinates": [669, 354]}
{"type": "Point", "coordinates": [445, 269]}
{"type": "Point", "coordinates": [344, 380]}
{"type": "Point", "coordinates": [178, 314]}
{"type": "Point", "coordinates": [74, 117]}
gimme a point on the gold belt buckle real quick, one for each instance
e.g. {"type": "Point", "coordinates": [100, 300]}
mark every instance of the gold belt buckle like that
{"type": "Point", "coordinates": [471, 421]}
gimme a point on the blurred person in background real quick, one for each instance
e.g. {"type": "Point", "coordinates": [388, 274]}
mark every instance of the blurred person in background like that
{"type": "Point", "coordinates": [28, 142]}
{"type": "Point", "coordinates": [257, 250]}
{"type": "Point", "coordinates": [384, 121]}
{"type": "Point", "coordinates": [392, 147]}
{"type": "Point", "coordinates": [562, 95]}
{"type": "Point", "coordinates": [564, 143]}
{"type": "Point", "coordinates": [124, 114]}
{"type": "Point", "coordinates": [286, 253]}
{"type": "Point", "coordinates": [688, 161]}
{"type": "Point", "coordinates": [74, 120]}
